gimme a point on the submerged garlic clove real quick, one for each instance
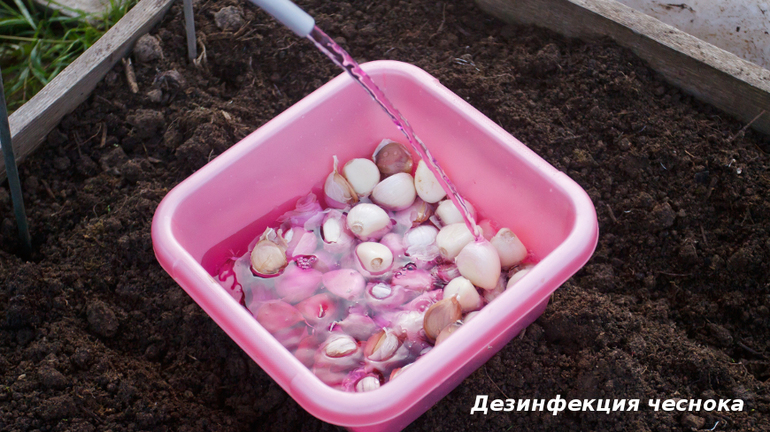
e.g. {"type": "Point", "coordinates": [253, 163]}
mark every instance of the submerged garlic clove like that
{"type": "Point", "coordinates": [394, 242]}
{"type": "Point", "coordinates": [414, 215]}
{"type": "Point", "coordinates": [448, 213]}
{"type": "Point", "coordinates": [509, 248]}
{"type": "Point", "coordinates": [374, 257]}
{"type": "Point", "coordinates": [479, 263]}
{"type": "Point", "coordinates": [268, 258]}
{"type": "Point", "coordinates": [297, 283]}
{"type": "Point", "coordinates": [392, 157]}
{"type": "Point", "coordinates": [368, 383]}
{"type": "Point", "coordinates": [395, 192]}
{"type": "Point", "coordinates": [465, 292]}
{"type": "Point", "coordinates": [440, 315]}
{"type": "Point", "coordinates": [426, 184]}
{"type": "Point", "coordinates": [346, 283]}
{"type": "Point", "coordinates": [362, 174]}
{"type": "Point", "coordinates": [447, 331]}
{"type": "Point", "coordinates": [338, 191]}
{"type": "Point", "coordinates": [517, 275]}
{"type": "Point", "coordinates": [382, 345]}
{"type": "Point", "coordinates": [318, 310]}
{"type": "Point", "coordinates": [451, 239]}
{"type": "Point", "coordinates": [368, 221]}
{"type": "Point", "coordinates": [413, 278]}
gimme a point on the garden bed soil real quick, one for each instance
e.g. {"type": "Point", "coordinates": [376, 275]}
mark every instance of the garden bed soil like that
{"type": "Point", "coordinates": [674, 304]}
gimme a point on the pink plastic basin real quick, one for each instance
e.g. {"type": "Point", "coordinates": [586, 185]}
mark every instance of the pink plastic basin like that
{"type": "Point", "coordinates": [216, 212]}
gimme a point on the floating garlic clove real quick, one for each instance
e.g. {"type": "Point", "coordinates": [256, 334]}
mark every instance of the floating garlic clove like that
{"type": "Point", "coordinates": [368, 221]}
{"type": "Point", "coordinates": [426, 184]}
{"type": "Point", "coordinates": [300, 242]}
{"type": "Point", "coordinates": [515, 277]}
{"type": "Point", "coordinates": [367, 383]}
{"type": "Point", "coordinates": [447, 331]}
{"type": "Point", "coordinates": [362, 174]}
{"type": "Point", "coordinates": [440, 315]}
{"type": "Point", "coordinates": [510, 249]}
{"type": "Point", "coordinates": [465, 292]}
{"type": "Point", "coordinates": [479, 263]}
{"type": "Point", "coordinates": [346, 283]}
{"type": "Point", "coordinates": [340, 347]}
{"type": "Point", "coordinates": [392, 157]}
{"type": "Point", "coordinates": [338, 355]}
{"type": "Point", "coordinates": [451, 239]}
{"type": "Point", "coordinates": [339, 193]}
{"type": "Point", "coordinates": [395, 192]}
{"type": "Point", "coordinates": [268, 258]}
{"type": "Point", "coordinates": [382, 345]}
{"type": "Point", "coordinates": [336, 236]}
{"type": "Point", "coordinates": [448, 213]}
{"type": "Point", "coordinates": [374, 257]}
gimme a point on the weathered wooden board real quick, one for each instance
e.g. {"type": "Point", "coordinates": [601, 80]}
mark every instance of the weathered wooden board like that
{"type": "Point", "coordinates": [96, 7]}
{"type": "Point", "coordinates": [32, 122]}
{"type": "Point", "coordinates": [711, 74]}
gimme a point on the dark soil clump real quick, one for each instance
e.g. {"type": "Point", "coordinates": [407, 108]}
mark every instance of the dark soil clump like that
{"type": "Point", "coordinates": [674, 304]}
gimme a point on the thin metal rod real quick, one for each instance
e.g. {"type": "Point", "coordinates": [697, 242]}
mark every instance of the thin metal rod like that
{"type": "Point", "coordinates": [13, 173]}
{"type": "Point", "coordinates": [189, 26]}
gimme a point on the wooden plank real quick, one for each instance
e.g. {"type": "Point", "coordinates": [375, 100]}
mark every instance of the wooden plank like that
{"type": "Point", "coordinates": [96, 7]}
{"type": "Point", "coordinates": [711, 74]}
{"type": "Point", "coordinates": [32, 122]}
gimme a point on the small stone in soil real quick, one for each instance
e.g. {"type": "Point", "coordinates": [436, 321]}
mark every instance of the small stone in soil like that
{"type": "Point", "coordinates": [147, 49]}
{"type": "Point", "coordinates": [229, 18]}
{"type": "Point", "coordinates": [51, 378]}
{"type": "Point", "coordinates": [663, 216]}
{"type": "Point", "coordinates": [102, 319]}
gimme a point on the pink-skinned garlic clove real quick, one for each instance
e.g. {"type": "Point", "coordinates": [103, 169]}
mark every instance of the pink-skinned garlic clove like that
{"type": "Point", "coordinates": [414, 215]}
{"type": "Point", "coordinates": [392, 157]}
{"type": "Point", "coordinates": [425, 300]}
{"type": "Point", "coordinates": [451, 239]}
{"type": "Point", "coordinates": [509, 248]}
{"type": "Point", "coordinates": [338, 191]}
{"type": "Point", "coordinates": [368, 221]}
{"type": "Point", "coordinates": [307, 347]}
{"type": "Point", "coordinates": [445, 272]}
{"type": "Point", "coordinates": [381, 295]}
{"type": "Point", "coordinates": [297, 283]}
{"type": "Point", "coordinates": [268, 258]}
{"type": "Point", "coordinates": [307, 208]}
{"type": "Point", "coordinates": [479, 263]}
{"type": "Point", "coordinates": [448, 213]}
{"type": "Point", "coordinates": [346, 283]}
{"type": "Point", "coordinates": [413, 278]}
{"type": "Point", "coordinates": [357, 325]}
{"type": "Point", "coordinates": [517, 274]}
{"type": "Point", "coordinates": [395, 243]}
{"type": "Point", "coordinates": [447, 331]}
{"type": "Point", "coordinates": [396, 372]}
{"type": "Point", "coordinates": [359, 380]}
{"type": "Point", "coordinates": [385, 351]}
{"type": "Point", "coordinates": [376, 258]}
{"type": "Point", "coordinates": [283, 321]}
{"type": "Point", "coordinates": [362, 174]}
{"type": "Point", "coordinates": [319, 310]}
{"type": "Point", "coordinates": [338, 355]}
{"type": "Point", "coordinates": [440, 315]}
{"type": "Point", "coordinates": [427, 185]}
{"type": "Point", "coordinates": [395, 192]}
{"type": "Point", "coordinates": [466, 294]}
{"type": "Point", "coordinates": [300, 242]}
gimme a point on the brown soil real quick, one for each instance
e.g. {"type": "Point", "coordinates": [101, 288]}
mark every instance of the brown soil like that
{"type": "Point", "coordinates": [675, 303]}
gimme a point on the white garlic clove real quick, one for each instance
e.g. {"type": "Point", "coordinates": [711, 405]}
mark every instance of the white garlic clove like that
{"type": "Point", "coordinates": [426, 184]}
{"type": "Point", "coordinates": [395, 192]}
{"type": "Point", "coordinates": [517, 276]}
{"type": "Point", "coordinates": [441, 314]}
{"type": "Point", "coordinates": [447, 331]}
{"type": "Point", "coordinates": [374, 257]}
{"type": "Point", "coordinates": [268, 258]}
{"type": "Point", "coordinates": [487, 229]}
{"type": "Point", "coordinates": [339, 193]}
{"type": "Point", "coordinates": [368, 221]}
{"type": "Point", "coordinates": [382, 345]}
{"type": "Point", "coordinates": [448, 213]}
{"type": "Point", "coordinates": [362, 174]}
{"type": "Point", "coordinates": [479, 263]}
{"type": "Point", "coordinates": [465, 292]}
{"type": "Point", "coordinates": [392, 157]}
{"type": "Point", "coordinates": [510, 249]}
{"type": "Point", "coordinates": [340, 346]}
{"type": "Point", "coordinates": [451, 239]}
{"type": "Point", "coordinates": [367, 383]}
{"type": "Point", "coordinates": [495, 292]}
{"type": "Point", "coordinates": [420, 243]}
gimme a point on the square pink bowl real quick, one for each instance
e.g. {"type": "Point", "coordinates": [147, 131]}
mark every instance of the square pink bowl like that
{"type": "Point", "coordinates": [216, 212]}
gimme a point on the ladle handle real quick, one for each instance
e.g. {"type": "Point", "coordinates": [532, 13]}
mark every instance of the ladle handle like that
{"type": "Point", "coordinates": [289, 15]}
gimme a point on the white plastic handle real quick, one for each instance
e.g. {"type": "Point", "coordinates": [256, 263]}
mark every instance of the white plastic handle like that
{"type": "Point", "coordinates": [289, 15]}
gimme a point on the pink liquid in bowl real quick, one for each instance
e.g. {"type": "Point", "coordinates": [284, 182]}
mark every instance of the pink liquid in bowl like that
{"type": "Point", "coordinates": [215, 213]}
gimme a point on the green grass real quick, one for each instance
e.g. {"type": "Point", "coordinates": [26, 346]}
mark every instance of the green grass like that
{"type": "Point", "coordinates": [36, 44]}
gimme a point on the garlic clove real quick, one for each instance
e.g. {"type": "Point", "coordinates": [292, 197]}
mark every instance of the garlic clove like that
{"type": "Point", "coordinates": [362, 174]}
{"type": "Point", "coordinates": [357, 325]}
{"type": "Point", "coordinates": [396, 372]}
{"type": "Point", "coordinates": [395, 192]}
{"type": "Point", "coordinates": [367, 383]}
{"type": "Point", "coordinates": [440, 315]}
{"type": "Point", "coordinates": [318, 310]}
{"type": "Point", "coordinates": [509, 247]}
{"type": "Point", "coordinates": [374, 257]}
{"type": "Point", "coordinates": [368, 221]}
{"type": "Point", "coordinates": [392, 157]}
{"type": "Point", "coordinates": [447, 331]}
{"type": "Point", "coordinates": [445, 272]}
{"type": "Point", "coordinates": [495, 292]}
{"type": "Point", "coordinates": [382, 345]}
{"type": "Point", "coordinates": [340, 346]}
{"type": "Point", "coordinates": [296, 283]}
{"type": "Point", "coordinates": [465, 292]}
{"type": "Point", "coordinates": [451, 239]}
{"type": "Point", "coordinates": [518, 275]}
{"type": "Point", "coordinates": [413, 279]}
{"type": "Point", "coordinates": [346, 283]}
{"type": "Point", "coordinates": [426, 184]}
{"type": "Point", "coordinates": [268, 258]}
{"type": "Point", "coordinates": [414, 215]}
{"type": "Point", "coordinates": [479, 263]}
{"type": "Point", "coordinates": [336, 236]}
{"type": "Point", "coordinates": [395, 243]}
{"type": "Point", "coordinates": [487, 229]}
{"type": "Point", "coordinates": [448, 213]}
{"type": "Point", "coordinates": [300, 242]}
{"type": "Point", "coordinates": [276, 315]}
{"type": "Point", "coordinates": [339, 193]}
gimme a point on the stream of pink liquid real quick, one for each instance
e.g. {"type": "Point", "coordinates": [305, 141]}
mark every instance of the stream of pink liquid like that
{"type": "Point", "coordinates": [342, 59]}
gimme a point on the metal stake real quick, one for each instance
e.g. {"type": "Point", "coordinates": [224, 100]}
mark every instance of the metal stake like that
{"type": "Point", "coordinates": [13, 173]}
{"type": "Point", "coordinates": [189, 26]}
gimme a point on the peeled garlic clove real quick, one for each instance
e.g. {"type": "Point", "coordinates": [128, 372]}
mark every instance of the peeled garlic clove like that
{"type": "Point", "coordinates": [395, 192]}
{"type": "Point", "coordinates": [448, 213]}
{"type": "Point", "coordinates": [447, 331]}
{"type": "Point", "coordinates": [451, 239]}
{"type": "Point", "coordinates": [426, 184]}
{"type": "Point", "coordinates": [479, 263]}
{"type": "Point", "coordinates": [392, 157]}
{"type": "Point", "coordinates": [440, 315]}
{"type": "Point", "coordinates": [465, 292]}
{"type": "Point", "coordinates": [346, 283]}
{"type": "Point", "coordinates": [515, 277]}
{"type": "Point", "coordinates": [374, 257]}
{"type": "Point", "coordinates": [296, 283]}
{"type": "Point", "coordinates": [509, 248]}
{"type": "Point", "coordinates": [338, 355]}
{"type": "Point", "coordinates": [368, 221]}
{"type": "Point", "coordinates": [268, 258]}
{"type": "Point", "coordinates": [336, 236]}
{"type": "Point", "coordinates": [339, 193]}
{"type": "Point", "coordinates": [362, 174]}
